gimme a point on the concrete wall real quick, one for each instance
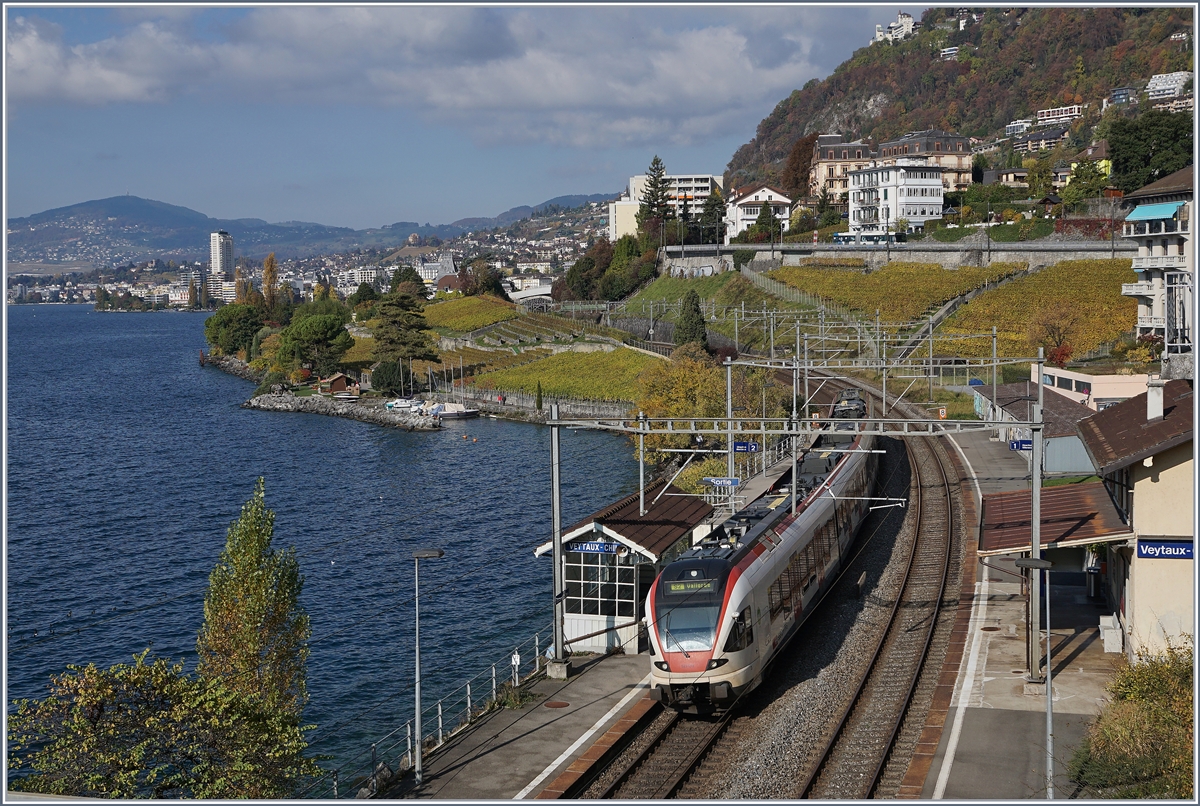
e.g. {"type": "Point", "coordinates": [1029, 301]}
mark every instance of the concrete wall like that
{"type": "Point", "coordinates": [1035, 253]}
{"type": "Point", "coordinates": [1159, 603]}
{"type": "Point", "coordinates": [1163, 494]}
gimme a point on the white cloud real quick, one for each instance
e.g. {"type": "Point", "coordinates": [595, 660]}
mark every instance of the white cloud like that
{"type": "Point", "coordinates": [574, 77]}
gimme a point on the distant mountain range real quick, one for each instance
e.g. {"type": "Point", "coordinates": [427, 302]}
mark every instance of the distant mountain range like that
{"type": "Point", "coordinates": [130, 228]}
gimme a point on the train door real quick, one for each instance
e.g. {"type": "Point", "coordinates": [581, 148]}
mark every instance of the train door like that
{"type": "Point", "coordinates": [646, 574]}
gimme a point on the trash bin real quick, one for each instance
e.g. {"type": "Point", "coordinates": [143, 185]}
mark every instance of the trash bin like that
{"type": "Point", "coordinates": [1093, 581]}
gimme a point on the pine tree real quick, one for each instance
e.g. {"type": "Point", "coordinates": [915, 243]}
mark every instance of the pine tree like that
{"type": "Point", "coordinates": [193, 295]}
{"type": "Point", "coordinates": [537, 400]}
{"type": "Point", "coordinates": [690, 325]}
{"type": "Point", "coordinates": [712, 215]}
{"type": "Point", "coordinates": [401, 332]}
{"type": "Point", "coordinates": [255, 633]}
{"type": "Point", "coordinates": [654, 204]}
{"type": "Point", "coordinates": [270, 281]}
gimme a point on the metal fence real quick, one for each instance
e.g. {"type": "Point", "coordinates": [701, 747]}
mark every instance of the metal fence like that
{"type": "Point", "coordinates": [372, 771]}
{"type": "Point", "coordinates": [787, 292]}
{"type": "Point", "coordinates": [568, 406]}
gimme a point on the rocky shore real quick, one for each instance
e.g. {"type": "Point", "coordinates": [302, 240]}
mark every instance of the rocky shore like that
{"type": "Point", "coordinates": [230, 364]}
{"type": "Point", "coordinates": [314, 404]}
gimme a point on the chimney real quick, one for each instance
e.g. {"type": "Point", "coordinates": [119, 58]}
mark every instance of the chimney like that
{"type": "Point", "coordinates": [1154, 399]}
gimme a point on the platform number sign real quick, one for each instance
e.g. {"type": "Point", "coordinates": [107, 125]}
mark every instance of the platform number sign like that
{"type": "Point", "coordinates": [942, 413]}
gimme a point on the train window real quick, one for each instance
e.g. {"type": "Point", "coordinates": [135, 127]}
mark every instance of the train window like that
{"type": "Point", "coordinates": [775, 595]}
{"type": "Point", "coordinates": [741, 635]}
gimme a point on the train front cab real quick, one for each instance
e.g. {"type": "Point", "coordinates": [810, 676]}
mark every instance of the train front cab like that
{"type": "Point", "coordinates": [701, 636]}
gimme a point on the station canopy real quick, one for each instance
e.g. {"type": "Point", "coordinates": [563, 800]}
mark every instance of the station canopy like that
{"type": "Point", "coordinates": [1154, 212]}
{"type": "Point", "coordinates": [1072, 515]}
{"type": "Point", "coordinates": [672, 516]}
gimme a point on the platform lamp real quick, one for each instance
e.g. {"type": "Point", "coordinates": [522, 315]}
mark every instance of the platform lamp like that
{"type": "Point", "coordinates": [418, 555]}
{"type": "Point", "coordinates": [1045, 565]}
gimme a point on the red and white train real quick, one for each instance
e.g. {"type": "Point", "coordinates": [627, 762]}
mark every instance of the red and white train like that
{"type": "Point", "coordinates": [719, 613]}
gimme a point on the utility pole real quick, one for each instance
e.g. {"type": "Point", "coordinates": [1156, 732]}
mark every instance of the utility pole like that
{"type": "Point", "coordinates": [558, 668]}
{"type": "Point", "coordinates": [729, 423]}
{"type": "Point", "coordinates": [930, 359]}
{"type": "Point", "coordinates": [1035, 534]}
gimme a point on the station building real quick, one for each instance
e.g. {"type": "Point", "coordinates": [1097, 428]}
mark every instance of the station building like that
{"type": "Point", "coordinates": [610, 560]}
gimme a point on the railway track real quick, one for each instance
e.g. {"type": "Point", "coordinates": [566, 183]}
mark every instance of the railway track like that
{"type": "Point", "coordinates": [860, 744]}
{"type": "Point", "coordinates": [670, 759]}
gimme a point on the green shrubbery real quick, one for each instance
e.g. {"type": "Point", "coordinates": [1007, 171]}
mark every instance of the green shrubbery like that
{"type": "Point", "coordinates": [1141, 744]}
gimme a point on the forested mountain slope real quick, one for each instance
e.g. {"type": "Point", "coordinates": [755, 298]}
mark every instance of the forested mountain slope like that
{"type": "Point", "coordinates": [1010, 63]}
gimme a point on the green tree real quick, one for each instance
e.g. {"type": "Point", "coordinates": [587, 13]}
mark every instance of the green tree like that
{"type": "Point", "coordinates": [147, 730]}
{"type": "Point", "coordinates": [1040, 177]}
{"type": "Point", "coordinates": [255, 633]}
{"type": "Point", "coordinates": [320, 340]}
{"type": "Point", "coordinates": [689, 327]}
{"type": "Point", "coordinates": [1087, 182]}
{"type": "Point", "coordinates": [365, 293]}
{"type": "Point", "coordinates": [406, 280]}
{"type": "Point", "coordinates": [232, 328]}
{"type": "Point", "coordinates": [193, 295]}
{"type": "Point", "coordinates": [712, 216]}
{"type": "Point", "coordinates": [390, 377]}
{"type": "Point", "coordinates": [1146, 149]}
{"type": "Point", "coordinates": [401, 334]}
{"type": "Point", "coordinates": [537, 398]}
{"type": "Point", "coordinates": [654, 204]}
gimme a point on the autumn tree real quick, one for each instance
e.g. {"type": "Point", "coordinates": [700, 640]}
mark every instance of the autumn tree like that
{"type": "Point", "coordinates": [401, 334]}
{"type": "Point", "coordinates": [1087, 182]}
{"type": "Point", "coordinates": [270, 281]}
{"type": "Point", "coordinates": [1040, 177]}
{"type": "Point", "coordinates": [1052, 328]}
{"type": "Point", "coordinates": [193, 296]}
{"type": "Point", "coordinates": [406, 280]}
{"type": "Point", "coordinates": [147, 730]}
{"type": "Point", "coordinates": [255, 633]}
{"type": "Point", "coordinates": [689, 385]}
{"type": "Point", "coordinates": [689, 327]}
{"type": "Point", "coordinates": [799, 163]}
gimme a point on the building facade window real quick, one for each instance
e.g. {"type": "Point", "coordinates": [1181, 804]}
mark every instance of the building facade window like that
{"type": "Point", "coordinates": [601, 584]}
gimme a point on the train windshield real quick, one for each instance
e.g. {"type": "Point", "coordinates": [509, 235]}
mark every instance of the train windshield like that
{"type": "Point", "coordinates": [687, 604]}
{"type": "Point", "coordinates": [689, 628]}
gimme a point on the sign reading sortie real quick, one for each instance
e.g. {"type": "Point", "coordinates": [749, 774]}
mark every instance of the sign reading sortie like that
{"type": "Point", "coordinates": [1164, 550]}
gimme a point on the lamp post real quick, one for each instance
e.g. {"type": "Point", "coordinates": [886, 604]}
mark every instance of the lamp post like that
{"type": "Point", "coordinates": [1045, 566]}
{"type": "Point", "coordinates": [887, 240]}
{"type": "Point", "coordinates": [418, 555]}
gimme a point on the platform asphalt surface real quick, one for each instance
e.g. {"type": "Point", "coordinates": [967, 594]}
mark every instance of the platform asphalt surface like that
{"type": "Point", "coordinates": [516, 752]}
{"type": "Point", "coordinates": [993, 743]}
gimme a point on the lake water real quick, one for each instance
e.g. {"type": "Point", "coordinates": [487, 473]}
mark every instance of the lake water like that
{"type": "Point", "coordinates": [127, 461]}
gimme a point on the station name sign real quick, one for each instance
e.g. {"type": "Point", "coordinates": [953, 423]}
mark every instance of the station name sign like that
{"type": "Point", "coordinates": [1164, 550]}
{"type": "Point", "coordinates": [595, 547]}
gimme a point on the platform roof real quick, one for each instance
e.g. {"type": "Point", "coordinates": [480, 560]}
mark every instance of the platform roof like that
{"type": "Point", "coordinates": [1059, 412]}
{"type": "Point", "coordinates": [1072, 515]}
{"type": "Point", "coordinates": [668, 519]}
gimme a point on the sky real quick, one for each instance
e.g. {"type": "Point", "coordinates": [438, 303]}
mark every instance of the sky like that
{"type": "Point", "coordinates": [369, 115]}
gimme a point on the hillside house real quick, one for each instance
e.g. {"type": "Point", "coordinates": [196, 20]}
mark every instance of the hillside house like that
{"type": "Point", "coordinates": [1044, 140]}
{"type": "Point", "coordinates": [882, 194]}
{"type": "Point", "coordinates": [744, 207]}
{"type": "Point", "coordinates": [946, 150]}
{"type": "Point", "coordinates": [896, 31]}
{"type": "Point", "coordinates": [834, 157]}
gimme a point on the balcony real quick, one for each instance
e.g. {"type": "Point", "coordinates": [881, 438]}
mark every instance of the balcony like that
{"type": "Point", "coordinates": [1166, 262]}
{"type": "Point", "coordinates": [1142, 289]}
{"type": "Point", "coordinates": [1152, 321]}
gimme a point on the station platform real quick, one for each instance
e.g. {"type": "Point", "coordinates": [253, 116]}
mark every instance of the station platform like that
{"type": "Point", "coordinates": [986, 737]}
{"type": "Point", "coordinates": [515, 753]}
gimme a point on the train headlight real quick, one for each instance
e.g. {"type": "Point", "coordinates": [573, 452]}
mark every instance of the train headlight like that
{"type": "Point", "coordinates": [662, 664]}
{"type": "Point", "coordinates": [717, 662]}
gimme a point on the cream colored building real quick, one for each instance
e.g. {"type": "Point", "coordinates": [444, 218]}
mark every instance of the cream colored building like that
{"type": "Point", "coordinates": [688, 191]}
{"type": "Point", "coordinates": [1142, 448]}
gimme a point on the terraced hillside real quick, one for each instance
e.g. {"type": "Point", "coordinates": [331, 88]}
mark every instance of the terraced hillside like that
{"type": "Point", "coordinates": [1083, 296]}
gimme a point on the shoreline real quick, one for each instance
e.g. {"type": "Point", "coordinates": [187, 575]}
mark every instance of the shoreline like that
{"type": "Point", "coordinates": [286, 401]}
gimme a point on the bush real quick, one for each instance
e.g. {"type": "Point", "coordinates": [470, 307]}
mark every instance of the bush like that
{"type": "Point", "coordinates": [269, 381]}
{"type": "Point", "coordinates": [743, 256]}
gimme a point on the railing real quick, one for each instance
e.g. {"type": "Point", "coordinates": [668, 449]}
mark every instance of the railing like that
{"type": "Point", "coordinates": [787, 292]}
{"type": "Point", "coordinates": [1152, 321]}
{"type": "Point", "coordinates": [1137, 289]}
{"type": "Point", "coordinates": [1160, 262]}
{"type": "Point", "coordinates": [373, 770]}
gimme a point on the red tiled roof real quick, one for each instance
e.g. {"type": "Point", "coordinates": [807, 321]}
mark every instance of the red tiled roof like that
{"type": "Point", "coordinates": [1072, 515]}
{"type": "Point", "coordinates": [1120, 435]}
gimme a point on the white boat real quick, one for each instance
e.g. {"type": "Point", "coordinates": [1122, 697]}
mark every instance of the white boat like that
{"type": "Point", "coordinates": [403, 404]}
{"type": "Point", "coordinates": [346, 396]}
{"type": "Point", "coordinates": [450, 411]}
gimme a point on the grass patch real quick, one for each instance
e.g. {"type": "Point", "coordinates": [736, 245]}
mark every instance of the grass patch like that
{"type": "Point", "coordinates": [1011, 233]}
{"type": "Point", "coordinates": [595, 376]}
{"type": "Point", "coordinates": [1065, 480]}
{"type": "Point", "coordinates": [465, 314]}
{"type": "Point", "coordinates": [944, 235]}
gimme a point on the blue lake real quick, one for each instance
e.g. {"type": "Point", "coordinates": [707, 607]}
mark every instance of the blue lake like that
{"type": "Point", "coordinates": [127, 461]}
